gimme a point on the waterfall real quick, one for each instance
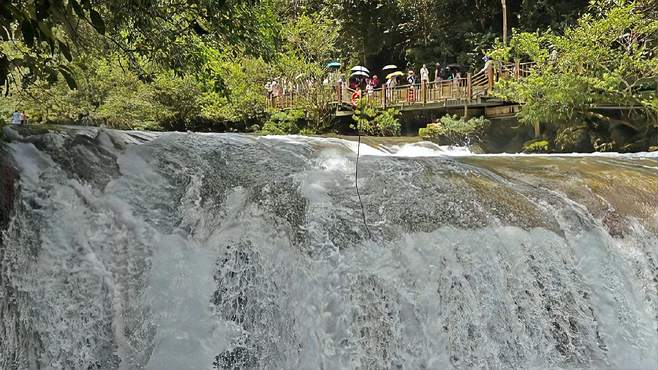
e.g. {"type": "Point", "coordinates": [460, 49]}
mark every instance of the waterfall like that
{"type": "Point", "coordinates": [134, 250]}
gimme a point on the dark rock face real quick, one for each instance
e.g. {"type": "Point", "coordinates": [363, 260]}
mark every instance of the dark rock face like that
{"type": "Point", "coordinates": [7, 188]}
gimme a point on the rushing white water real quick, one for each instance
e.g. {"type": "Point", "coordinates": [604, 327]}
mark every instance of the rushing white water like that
{"type": "Point", "coordinates": [191, 251]}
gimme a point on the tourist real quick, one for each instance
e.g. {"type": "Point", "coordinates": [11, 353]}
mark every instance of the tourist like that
{"type": "Point", "coordinates": [16, 118]}
{"type": "Point", "coordinates": [268, 87]}
{"type": "Point", "coordinates": [424, 75]}
{"type": "Point", "coordinates": [275, 89]}
{"type": "Point", "coordinates": [488, 63]}
{"type": "Point", "coordinates": [375, 81]}
{"type": "Point", "coordinates": [437, 73]}
{"type": "Point", "coordinates": [554, 56]}
{"type": "Point", "coordinates": [390, 85]}
{"type": "Point", "coordinates": [23, 118]}
{"type": "Point", "coordinates": [424, 80]}
{"type": "Point", "coordinates": [369, 89]}
{"type": "Point", "coordinates": [411, 78]}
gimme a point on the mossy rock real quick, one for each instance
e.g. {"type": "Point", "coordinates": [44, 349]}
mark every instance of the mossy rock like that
{"type": "Point", "coordinates": [536, 146]}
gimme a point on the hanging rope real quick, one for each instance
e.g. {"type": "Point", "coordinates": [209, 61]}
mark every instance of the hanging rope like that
{"type": "Point", "coordinates": [356, 184]}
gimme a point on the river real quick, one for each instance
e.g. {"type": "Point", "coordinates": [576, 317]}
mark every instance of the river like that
{"type": "Point", "coordinates": [134, 250]}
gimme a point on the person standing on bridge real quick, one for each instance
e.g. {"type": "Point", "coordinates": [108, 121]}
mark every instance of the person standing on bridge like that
{"type": "Point", "coordinates": [411, 78]}
{"type": "Point", "coordinates": [375, 81]}
{"type": "Point", "coordinates": [16, 118]}
{"type": "Point", "coordinates": [424, 80]}
{"type": "Point", "coordinates": [488, 63]}
{"type": "Point", "coordinates": [437, 73]}
{"type": "Point", "coordinates": [424, 75]}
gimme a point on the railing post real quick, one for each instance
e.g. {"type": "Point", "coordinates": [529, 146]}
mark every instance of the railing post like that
{"type": "Point", "coordinates": [490, 79]}
{"type": "Point", "coordinates": [469, 87]}
{"type": "Point", "coordinates": [517, 69]}
{"type": "Point", "coordinates": [423, 87]}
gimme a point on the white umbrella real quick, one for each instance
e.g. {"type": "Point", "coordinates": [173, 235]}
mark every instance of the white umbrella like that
{"type": "Point", "coordinates": [360, 69]}
{"type": "Point", "coordinates": [388, 67]}
{"type": "Point", "coordinates": [360, 73]}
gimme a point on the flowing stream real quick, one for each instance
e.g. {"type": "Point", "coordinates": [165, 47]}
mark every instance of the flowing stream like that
{"type": "Point", "coordinates": [197, 251]}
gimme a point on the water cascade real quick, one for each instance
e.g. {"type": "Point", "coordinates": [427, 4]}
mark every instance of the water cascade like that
{"type": "Point", "coordinates": [196, 251]}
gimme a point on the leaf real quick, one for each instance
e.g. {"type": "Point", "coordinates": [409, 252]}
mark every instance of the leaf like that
{"type": "Point", "coordinates": [68, 77]}
{"type": "Point", "coordinates": [77, 8]}
{"type": "Point", "coordinates": [65, 50]}
{"type": "Point", "coordinates": [47, 35]}
{"type": "Point", "coordinates": [97, 21]}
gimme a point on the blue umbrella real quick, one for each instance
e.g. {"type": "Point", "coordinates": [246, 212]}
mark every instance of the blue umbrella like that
{"type": "Point", "coordinates": [333, 65]}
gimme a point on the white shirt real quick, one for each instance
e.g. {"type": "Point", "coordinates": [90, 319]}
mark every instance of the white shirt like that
{"type": "Point", "coordinates": [16, 118]}
{"type": "Point", "coordinates": [424, 74]}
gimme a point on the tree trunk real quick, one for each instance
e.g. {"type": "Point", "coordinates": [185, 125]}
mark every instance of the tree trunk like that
{"type": "Point", "coordinates": [504, 4]}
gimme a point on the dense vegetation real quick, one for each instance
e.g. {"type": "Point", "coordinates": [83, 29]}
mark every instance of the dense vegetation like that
{"type": "Point", "coordinates": [202, 65]}
{"type": "Point", "coordinates": [608, 59]}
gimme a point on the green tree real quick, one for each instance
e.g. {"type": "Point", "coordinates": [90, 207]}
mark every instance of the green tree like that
{"type": "Point", "coordinates": [608, 58]}
{"type": "Point", "coordinates": [371, 120]}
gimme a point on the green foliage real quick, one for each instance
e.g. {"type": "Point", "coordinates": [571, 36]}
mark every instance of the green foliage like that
{"type": "Point", "coordinates": [386, 123]}
{"type": "Point", "coordinates": [536, 146]}
{"type": "Point", "coordinates": [164, 32]}
{"type": "Point", "coordinates": [284, 123]}
{"type": "Point", "coordinates": [234, 87]}
{"type": "Point", "coordinates": [572, 139]}
{"type": "Point", "coordinates": [456, 131]}
{"type": "Point", "coordinates": [609, 58]}
{"type": "Point", "coordinates": [371, 120]}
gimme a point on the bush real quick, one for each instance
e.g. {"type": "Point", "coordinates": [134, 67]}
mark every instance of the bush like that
{"type": "Point", "coordinates": [284, 123]}
{"type": "Point", "coordinates": [536, 146]}
{"type": "Point", "coordinates": [371, 120]}
{"type": "Point", "coordinates": [455, 131]}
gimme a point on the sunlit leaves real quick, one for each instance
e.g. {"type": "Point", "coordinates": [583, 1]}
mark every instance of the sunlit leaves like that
{"type": "Point", "coordinates": [609, 59]}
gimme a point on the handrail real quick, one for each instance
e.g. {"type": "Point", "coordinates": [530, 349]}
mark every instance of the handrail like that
{"type": "Point", "coordinates": [473, 86]}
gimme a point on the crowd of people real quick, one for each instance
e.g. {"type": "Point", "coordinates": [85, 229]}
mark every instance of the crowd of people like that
{"type": "Point", "coordinates": [361, 81]}
{"type": "Point", "coordinates": [401, 79]}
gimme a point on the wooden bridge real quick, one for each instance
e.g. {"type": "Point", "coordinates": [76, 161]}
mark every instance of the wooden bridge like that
{"type": "Point", "coordinates": [472, 91]}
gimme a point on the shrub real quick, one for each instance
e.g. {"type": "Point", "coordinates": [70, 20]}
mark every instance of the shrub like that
{"type": "Point", "coordinates": [455, 131]}
{"type": "Point", "coordinates": [376, 122]}
{"type": "Point", "coordinates": [284, 123]}
{"type": "Point", "coordinates": [536, 146]}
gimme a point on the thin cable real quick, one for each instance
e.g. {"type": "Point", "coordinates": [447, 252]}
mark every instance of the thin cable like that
{"type": "Point", "coordinates": [356, 184]}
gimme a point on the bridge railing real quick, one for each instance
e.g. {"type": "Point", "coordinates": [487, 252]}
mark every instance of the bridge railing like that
{"type": "Point", "coordinates": [465, 89]}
